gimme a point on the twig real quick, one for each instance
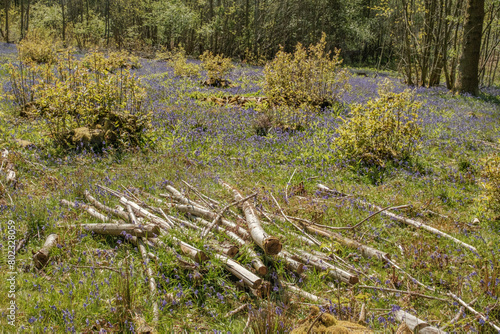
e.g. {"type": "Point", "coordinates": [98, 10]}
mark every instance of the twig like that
{"type": "Point", "coordinates": [247, 323]}
{"type": "Point", "coordinates": [455, 318]}
{"type": "Point", "coordinates": [149, 271]}
{"type": "Point", "coordinates": [98, 267]}
{"type": "Point", "coordinates": [370, 216]}
{"type": "Point", "coordinates": [314, 322]}
{"type": "Point", "coordinates": [407, 221]}
{"type": "Point", "coordinates": [289, 181]}
{"type": "Point", "coordinates": [468, 307]}
{"type": "Point", "coordinates": [403, 292]}
{"type": "Point", "coordinates": [221, 213]}
{"type": "Point", "coordinates": [204, 198]}
{"type": "Point", "coordinates": [5, 189]}
{"type": "Point", "coordinates": [411, 277]}
{"type": "Point", "coordinates": [236, 311]}
{"type": "Point", "coordinates": [293, 224]}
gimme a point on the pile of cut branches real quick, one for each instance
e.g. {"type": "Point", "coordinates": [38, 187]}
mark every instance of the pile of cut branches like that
{"type": "Point", "coordinates": [236, 235]}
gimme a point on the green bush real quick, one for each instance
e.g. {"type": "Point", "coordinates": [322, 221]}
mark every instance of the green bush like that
{"type": "Point", "coordinates": [181, 66]}
{"type": "Point", "coordinates": [491, 184]}
{"type": "Point", "coordinates": [98, 61]}
{"type": "Point", "coordinates": [217, 68]}
{"type": "Point", "coordinates": [310, 76]}
{"type": "Point", "coordinates": [82, 106]}
{"type": "Point", "coordinates": [384, 129]}
{"type": "Point", "coordinates": [35, 48]}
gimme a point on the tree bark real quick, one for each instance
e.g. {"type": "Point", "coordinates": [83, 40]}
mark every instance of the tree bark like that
{"type": "Point", "coordinates": [468, 76]}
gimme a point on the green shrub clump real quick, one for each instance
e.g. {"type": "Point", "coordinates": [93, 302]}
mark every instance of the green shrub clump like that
{"type": "Point", "coordinates": [181, 67]}
{"type": "Point", "coordinates": [37, 50]}
{"type": "Point", "coordinates": [98, 61]}
{"type": "Point", "coordinates": [310, 76]}
{"type": "Point", "coordinates": [82, 105]}
{"type": "Point", "coordinates": [384, 129]}
{"type": "Point", "coordinates": [491, 184]}
{"type": "Point", "coordinates": [217, 68]}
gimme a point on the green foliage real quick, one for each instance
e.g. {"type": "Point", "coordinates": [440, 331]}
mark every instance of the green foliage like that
{"type": "Point", "coordinates": [217, 66]}
{"type": "Point", "coordinates": [385, 129]}
{"type": "Point", "coordinates": [35, 48]}
{"type": "Point", "coordinates": [491, 185]}
{"type": "Point", "coordinates": [101, 105]}
{"type": "Point", "coordinates": [309, 76]}
{"type": "Point", "coordinates": [181, 66]}
{"type": "Point", "coordinates": [97, 61]}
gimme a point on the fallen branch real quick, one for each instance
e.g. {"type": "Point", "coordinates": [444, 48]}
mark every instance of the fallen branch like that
{"type": "Point", "coordinates": [94, 213]}
{"type": "Point", "coordinates": [476, 313]}
{"type": "Point", "coordinates": [119, 229]}
{"type": "Point", "coordinates": [146, 214]}
{"type": "Point", "coordinates": [288, 220]}
{"type": "Point", "coordinates": [236, 310]}
{"type": "Point", "coordinates": [122, 214]}
{"type": "Point", "coordinates": [256, 261]}
{"type": "Point", "coordinates": [269, 244]}
{"type": "Point", "coordinates": [407, 221]}
{"type": "Point", "coordinates": [304, 294]}
{"type": "Point", "coordinates": [41, 257]}
{"type": "Point", "coordinates": [370, 216]}
{"type": "Point", "coordinates": [332, 271]}
{"type": "Point", "coordinates": [411, 293]}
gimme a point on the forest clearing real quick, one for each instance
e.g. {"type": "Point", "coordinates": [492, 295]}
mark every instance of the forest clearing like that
{"type": "Point", "coordinates": [153, 192]}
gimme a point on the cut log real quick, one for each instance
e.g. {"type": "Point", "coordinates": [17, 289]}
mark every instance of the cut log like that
{"type": "Point", "coordinates": [191, 251]}
{"type": "Point", "coordinates": [151, 231]}
{"type": "Point", "coordinates": [146, 214]}
{"type": "Point", "coordinates": [209, 215]}
{"type": "Point", "coordinates": [249, 279]}
{"type": "Point", "coordinates": [100, 206]}
{"type": "Point", "coordinates": [405, 220]}
{"type": "Point", "coordinates": [333, 271]}
{"type": "Point", "coordinates": [228, 250]}
{"type": "Point", "coordinates": [365, 250]}
{"type": "Point", "coordinates": [290, 263]}
{"type": "Point", "coordinates": [41, 257]}
{"type": "Point", "coordinates": [415, 324]}
{"type": "Point", "coordinates": [256, 261]}
{"type": "Point", "coordinates": [179, 197]}
{"type": "Point", "coordinates": [93, 212]}
{"type": "Point", "coordinates": [304, 294]}
{"type": "Point", "coordinates": [269, 244]}
{"type": "Point", "coordinates": [151, 281]}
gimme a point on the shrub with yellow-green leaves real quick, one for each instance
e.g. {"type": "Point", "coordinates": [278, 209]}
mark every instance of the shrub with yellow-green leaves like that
{"type": "Point", "coordinates": [491, 174]}
{"type": "Point", "coordinates": [382, 130]}
{"type": "Point", "coordinates": [181, 66]}
{"type": "Point", "coordinates": [82, 106]}
{"type": "Point", "coordinates": [36, 49]}
{"type": "Point", "coordinates": [310, 76]}
{"type": "Point", "coordinates": [217, 67]}
{"type": "Point", "coordinates": [98, 61]}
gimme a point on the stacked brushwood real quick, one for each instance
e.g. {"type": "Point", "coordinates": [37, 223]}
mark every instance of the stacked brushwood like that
{"type": "Point", "coordinates": [160, 225]}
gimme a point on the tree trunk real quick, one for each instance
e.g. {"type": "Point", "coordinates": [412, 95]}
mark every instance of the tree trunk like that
{"type": "Point", "coordinates": [468, 76]}
{"type": "Point", "coordinates": [7, 3]}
